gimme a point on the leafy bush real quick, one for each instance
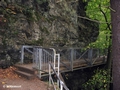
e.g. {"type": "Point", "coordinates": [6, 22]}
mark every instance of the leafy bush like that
{"type": "Point", "coordinates": [99, 81]}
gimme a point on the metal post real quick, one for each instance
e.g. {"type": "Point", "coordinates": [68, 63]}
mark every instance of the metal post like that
{"type": "Point", "coordinates": [54, 53]}
{"type": "Point", "coordinates": [58, 60]}
{"type": "Point", "coordinates": [36, 58]}
{"type": "Point", "coordinates": [75, 54]}
{"type": "Point", "coordinates": [61, 87]}
{"type": "Point", "coordinates": [49, 74]}
{"type": "Point", "coordinates": [90, 53]}
{"type": "Point", "coordinates": [40, 61]}
{"type": "Point", "coordinates": [72, 58]}
{"type": "Point", "coordinates": [22, 54]}
{"type": "Point", "coordinates": [33, 57]}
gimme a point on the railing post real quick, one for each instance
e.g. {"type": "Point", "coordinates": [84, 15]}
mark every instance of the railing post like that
{"type": "Point", "coordinates": [54, 54]}
{"type": "Point", "coordinates": [58, 63]}
{"type": "Point", "coordinates": [34, 58]}
{"type": "Point", "coordinates": [61, 85]}
{"type": "Point", "coordinates": [49, 74]}
{"type": "Point", "coordinates": [90, 53]}
{"type": "Point", "coordinates": [40, 61]}
{"type": "Point", "coordinates": [22, 54]}
{"type": "Point", "coordinates": [37, 58]}
{"type": "Point", "coordinates": [72, 58]}
{"type": "Point", "coordinates": [58, 66]}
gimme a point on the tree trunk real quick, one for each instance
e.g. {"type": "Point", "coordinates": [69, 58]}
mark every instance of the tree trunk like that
{"type": "Point", "coordinates": [115, 17]}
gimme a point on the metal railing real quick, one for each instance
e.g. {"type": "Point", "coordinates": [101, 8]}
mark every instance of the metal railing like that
{"type": "Point", "coordinates": [42, 57]}
{"type": "Point", "coordinates": [60, 84]}
{"type": "Point", "coordinates": [28, 49]}
{"type": "Point", "coordinates": [72, 56]}
{"type": "Point", "coordinates": [45, 60]}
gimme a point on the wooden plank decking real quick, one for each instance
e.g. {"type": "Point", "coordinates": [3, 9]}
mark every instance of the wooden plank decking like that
{"type": "Point", "coordinates": [66, 67]}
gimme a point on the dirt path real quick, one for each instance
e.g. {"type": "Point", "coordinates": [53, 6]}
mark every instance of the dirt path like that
{"type": "Point", "coordinates": [11, 81]}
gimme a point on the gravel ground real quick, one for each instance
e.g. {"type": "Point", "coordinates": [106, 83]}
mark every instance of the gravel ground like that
{"type": "Point", "coordinates": [22, 84]}
{"type": "Point", "coordinates": [11, 81]}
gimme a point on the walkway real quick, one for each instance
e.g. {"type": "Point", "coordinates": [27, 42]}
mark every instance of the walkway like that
{"type": "Point", "coordinates": [62, 59]}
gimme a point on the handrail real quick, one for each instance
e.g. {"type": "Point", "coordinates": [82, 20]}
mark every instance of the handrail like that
{"type": "Point", "coordinates": [62, 85]}
{"type": "Point", "coordinates": [69, 58]}
{"type": "Point", "coordinates": [41, 58]}
{"type": "Point", "coordinates": [22, 51]}
{"type": "Point", "coordinates": [54, 56]}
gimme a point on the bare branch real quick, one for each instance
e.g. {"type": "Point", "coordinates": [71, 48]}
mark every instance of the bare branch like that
{"type": "Point", "coordinates": [112, 9]}
{"type": "Point", "coordinates": [92, 20]}
{"type": "Point", "coordinates": [106, 19]}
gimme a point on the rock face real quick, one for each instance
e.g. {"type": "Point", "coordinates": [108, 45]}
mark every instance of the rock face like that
{"type": "Point", "coordinates": [45, 23]}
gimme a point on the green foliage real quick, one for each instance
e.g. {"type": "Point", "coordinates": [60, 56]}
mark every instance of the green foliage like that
{"type": "Point", "coordinates": [99, 80]}
{"type": "Point", "coordinates": [102, 42]}
{"type": "Point", "coordinates": [98, 10]}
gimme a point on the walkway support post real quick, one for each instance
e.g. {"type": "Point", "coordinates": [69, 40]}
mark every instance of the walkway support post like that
{"type": "Point", "coordinates": [90, 53]}
{"type": "Point", "coordinates": [72, 58]}
{"type": "Point", "coordinates": [22, 54]}
{"type": "Point", "coordinates": [40, 60]}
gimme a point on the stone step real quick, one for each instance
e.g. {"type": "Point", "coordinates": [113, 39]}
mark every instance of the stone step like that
{"type": "Point", "coordinates": [25, 69]}
{"type": "Point", "coordinates": [24, 74]}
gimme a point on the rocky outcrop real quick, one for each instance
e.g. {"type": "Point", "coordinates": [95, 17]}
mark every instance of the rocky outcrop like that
{"type": "Point", "coordinates": [45, 23]}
